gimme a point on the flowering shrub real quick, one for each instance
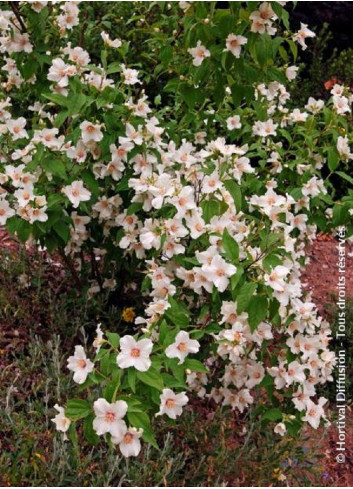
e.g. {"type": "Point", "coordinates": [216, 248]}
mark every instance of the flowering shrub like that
{"type": "Point", "coordinates": [202, 199]}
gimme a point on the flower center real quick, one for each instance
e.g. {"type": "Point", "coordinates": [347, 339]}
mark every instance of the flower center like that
{"type": "Point", "coordinates": [182, 347]}
{"type": "Point", "coordinates": [128, 438]}
{"type": "Point", "coordinates": [109, 417]}
{"type": "Point", "coordinates": [81, 363]}
{"type": "Point", "coordinates": [135, 352]}
{"type": "Point", "coordinates": [170, 403]}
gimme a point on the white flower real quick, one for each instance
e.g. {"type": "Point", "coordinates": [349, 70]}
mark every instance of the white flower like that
{"type": "Point", "coordinates": [218, 272]}
{"type": "Point", "coordinates": [130, 444]}
{"type": "Point", "coordinates": [234, 44]}
{"type": "Point", "coordinates": [38, 7]}
{"type": "Point", "coordinates": [182, 346]}
{"type": "Point", "coordinates": [130, 76]}
{"type": "Point", "coordinates": [302, 34]}
{"type": "Point", "coordinates": [116, 43]}
{"type": "Point", "coordinates": [61, 422]}
{"type": "Point", "coordinates": [265, 129]}
{"type": "Point", "coordinates": [76, 193]}
{"type": "Point", "coordinates": [297, 116]}
{"type": "Point", "coordinates": [80, 365]}
{"type": "Point", "coordinates": [233, 122]}
{"type": "Point", "coordinates": [135, 353]}
{"type": "Point", "coordinates": [5, 211]}
{"type": "Point", "coordinates": [341, 104]}
{"type": "Point", "coordinates": [275, 279]}
{"type": "Point", "coordinates": [314, 412]}
{"type": "Point", "coordinates": [59, 72]}
{"type": "Point", "coordinates": [295, 373]}
{"type": "Point", "coordinates": [172, 404]}
{"type": "Point", "coordinates": [91, 132]}
{"type": "Point", "coordinates": [314, 106]}
{"type": "Point", "coordinates": [17, 128]}
{"type": "Point", "coordinates": [343, 148]}
{"type": "Point", "coordinates": [109, 418]}
{"type": "Point", "coordinates": [199, 53]}
{"type": "Point", "coordinates": [291, 72]}
{"type": "Point", "coordinates": [97, 343]}
{"type": "Point", "coordinates": [280, 429]}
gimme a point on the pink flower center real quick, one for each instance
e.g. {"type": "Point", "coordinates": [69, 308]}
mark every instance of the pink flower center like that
{"type": "Point", "coordinates": [109, 417]}
{"type": "Point", "coordinates": [135, 352]}
{"type": "Point", "coordinates": [128, 438]}
{"type": "Point", "coordinates": [81, 363]}
{"type": "Point", "coordinates": [170, 403]}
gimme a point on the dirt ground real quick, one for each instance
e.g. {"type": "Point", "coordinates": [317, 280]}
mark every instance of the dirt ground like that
{"type": "Point", "coordinates": [321, 274]}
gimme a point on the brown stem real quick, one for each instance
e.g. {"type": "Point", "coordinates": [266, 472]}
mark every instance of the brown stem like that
{"type": "Point", "coordinates": [17, 14]}
{"type": "Point", "coordinates": [83, 30]}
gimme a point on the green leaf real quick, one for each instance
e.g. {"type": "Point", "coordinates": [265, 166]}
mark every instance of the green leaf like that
{"type": "Point", "coordinates": [90, 182]}
{"type": "Point", "coordinates": [54, 166]}
{"type": "Point", "coordinates": [151, 378]}
{"type": "Point", "coordinates": [134, 207]}
{"type": "Point", "coordinates": [112, 388]}
{"type": "Point", "coordinates": [271, 261]}
{"type": "Point", "coordinates": [23, 230]}
{"type": "Point", "coordinates": [105, 363]}
{"type": "Point", "coordinates": [244, 295]}
{"type": "Point", "coordinates": [113, 339]}
{"type": "Point", "coordinates": [230, 246]}
{"type": "Point", "coordinates": [61, 118]}
{"type": "Point", "coordinates": [177, 313]}
{"type": "Point", "coordinates": [57, 98]}
{"type": "Point", "coordinates": [191, 95]}
{"type": "Point", "coordinates": [62, 229]}
{"type": "Point", "coordinates": [234, 190]}
{"type": "Point", "coordinates": [273, 414]}
{"type": "Point", "coordinates": [163, 332]}
{"type": "Point", "coordinates": [131, 378]}
{"type": "Point", "coordinates": [139, 420]}
{"type": "Point", "coordinates": [340, 214]}
{"type": "Point", "coordinates": [88, 431]}
{"type": "Point", "coordinates": [54, 200]}
{"type": "Point", "coordinates": [257, 311]}
{"type": "Point", "coordinates": [178, 371]}
{"type": "Point", "coordinates": [195, 365]}
{"type": "Point", "coordinates": [333, 159]}
{"type": "Point", "coordinates": [77, 409]}
{"type": "Point", "coordinates": [211, 208]}
{"type": "Point", "coordinates": [234, 279]}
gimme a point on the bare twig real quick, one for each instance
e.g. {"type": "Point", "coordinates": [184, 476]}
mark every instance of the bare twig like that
{"type": "Point", "coordinates": [17, 14]}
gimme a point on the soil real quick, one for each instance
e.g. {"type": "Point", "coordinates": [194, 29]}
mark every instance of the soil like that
{"type": "Point", "coordinates": [321, 274]}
